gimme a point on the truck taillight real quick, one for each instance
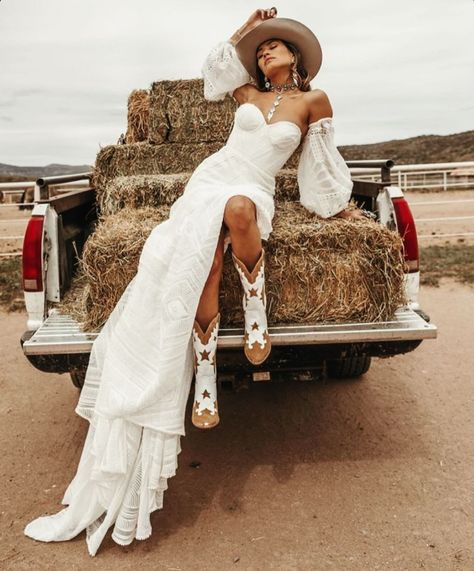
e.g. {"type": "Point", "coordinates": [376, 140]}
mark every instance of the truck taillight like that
{"type": "Point", "coordinates": [33, 255]}
{"type": "Point", "coordinates": [407, 230]}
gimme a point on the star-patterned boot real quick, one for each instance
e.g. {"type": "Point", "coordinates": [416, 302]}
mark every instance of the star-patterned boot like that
{"type": "Point", "coordinates": [205, 411]}
{"type": "Point", "coordinates": [257, 341]}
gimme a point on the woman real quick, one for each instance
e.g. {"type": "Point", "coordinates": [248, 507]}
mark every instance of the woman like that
{"type": "Point", "coordinates": [277, 66]}
{"type": "Point", "coordinates": [141, 365]}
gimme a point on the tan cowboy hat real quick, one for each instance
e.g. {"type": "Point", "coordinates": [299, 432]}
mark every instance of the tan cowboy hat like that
{"type": "Point", "coordinates": [285, 29]}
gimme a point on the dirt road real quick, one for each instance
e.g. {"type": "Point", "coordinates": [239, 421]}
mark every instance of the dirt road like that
{"type": "Point", "coordinates": [365, 475]}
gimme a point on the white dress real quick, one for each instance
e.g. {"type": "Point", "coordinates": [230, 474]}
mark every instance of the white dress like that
{"type": "Point", "coordinates": [141, 364]}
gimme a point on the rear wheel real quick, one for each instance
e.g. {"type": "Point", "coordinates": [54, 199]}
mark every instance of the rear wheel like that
{"type": "Point", "coordinates": [349, 368]}
{"type": "Point", "coordinates": [78, 377]}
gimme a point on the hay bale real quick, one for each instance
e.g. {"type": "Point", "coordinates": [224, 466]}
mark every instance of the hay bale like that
{"type": "Point", "coordinates": [109, 262]}
{"type": "Point", "coordinates": [167, 158]}
{"type": "Point", "coordinates": [286, 185]}
{"type": "Point", "coordinates": [138, 191]}
{"type": "Point", "coordinates": [143, 158]}
{"type": "Point", "coordinates": [317, 270]}
{"type": "Point", "coordinates": [138, 117]}
{"type": "Point", "coordinates": [180, 114]}
{"type": "Point", "coordinates": [324, 270]}
{"type": "Point", "coordinates": [154, 189]}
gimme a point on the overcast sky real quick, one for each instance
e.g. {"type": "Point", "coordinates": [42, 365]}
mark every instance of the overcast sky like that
{"type": "Point", "coordinates": [391, 69]}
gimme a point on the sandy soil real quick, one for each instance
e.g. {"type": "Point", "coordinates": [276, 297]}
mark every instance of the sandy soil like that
{"type": "Point", "coordinates": [350, 475]}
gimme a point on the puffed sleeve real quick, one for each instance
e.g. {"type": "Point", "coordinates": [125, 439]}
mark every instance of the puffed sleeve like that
{"type": "Point", "coordinates": [324, 179]}
{"type": "Point", "coordinates": [223, 71]}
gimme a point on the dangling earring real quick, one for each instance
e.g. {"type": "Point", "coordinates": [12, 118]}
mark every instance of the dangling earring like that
{"type": "Point", "coordinates": [267, 83]}
{"type": "Point", "coordinates": [294, 73]}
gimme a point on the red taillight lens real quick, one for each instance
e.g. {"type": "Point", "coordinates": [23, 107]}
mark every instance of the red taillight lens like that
{"type": "Point", "coordinates": [407, 230]}
{"type": "Point", "coordinates": [33, 255]}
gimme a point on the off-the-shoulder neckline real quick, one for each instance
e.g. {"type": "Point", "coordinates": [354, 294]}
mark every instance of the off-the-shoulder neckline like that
{"type": "Point", "coordinates": [284, 120]}
{"type": "Point", "coordinates": [322, 119]}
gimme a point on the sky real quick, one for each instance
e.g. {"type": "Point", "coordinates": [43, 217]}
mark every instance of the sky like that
{"type": "Point", "coordinates": [391, 70]}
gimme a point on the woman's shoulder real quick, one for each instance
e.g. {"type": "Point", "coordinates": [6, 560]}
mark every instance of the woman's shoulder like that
{"type": "Point", "coordinates": [242, 93]}
{"type": "Point", "coordinates": [317, 104]}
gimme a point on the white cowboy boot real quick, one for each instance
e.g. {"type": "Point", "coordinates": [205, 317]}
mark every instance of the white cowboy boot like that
{"type": "Point", "coordinates": [205, 411]}
{"type": "Point", "coordinates": [257, 341]}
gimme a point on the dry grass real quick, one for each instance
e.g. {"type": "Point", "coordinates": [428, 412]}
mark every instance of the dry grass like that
{"type": "Point", "coordinates": [449, 260]}
{"type": "Point", "coordinates": [11, 291]}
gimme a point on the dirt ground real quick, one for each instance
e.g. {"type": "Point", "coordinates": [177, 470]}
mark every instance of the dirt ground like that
{"type": "Point", "coordinates": [348, 475]}
{"type": "Point", "coordinates": [454, 207]}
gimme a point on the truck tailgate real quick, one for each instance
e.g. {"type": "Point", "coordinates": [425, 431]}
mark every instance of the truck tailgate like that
{"type": "Point", "coordinates": [61, 334]}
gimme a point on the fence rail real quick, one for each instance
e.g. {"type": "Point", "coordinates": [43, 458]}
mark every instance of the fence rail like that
{"type": "Point", "coordinates": [446, 176]}
{"type": "Point", "coordinates": [427, 176]}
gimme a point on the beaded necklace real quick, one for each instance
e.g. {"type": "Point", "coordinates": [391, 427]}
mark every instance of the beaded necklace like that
{"type": "Point", "coordinates": [278, 89]}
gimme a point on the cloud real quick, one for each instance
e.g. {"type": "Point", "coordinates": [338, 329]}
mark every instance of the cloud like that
{"type": "Point", "coordinates": [395, 72]}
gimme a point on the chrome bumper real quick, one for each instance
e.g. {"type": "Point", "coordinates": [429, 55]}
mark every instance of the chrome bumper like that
{"type": "Point", "coordinates": [60, 334]}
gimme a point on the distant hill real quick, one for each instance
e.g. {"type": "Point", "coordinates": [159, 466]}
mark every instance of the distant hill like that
{"type": "Point", "coordinates": [421, 149]}
{"type": "Point", "coordinates": [11, 173]}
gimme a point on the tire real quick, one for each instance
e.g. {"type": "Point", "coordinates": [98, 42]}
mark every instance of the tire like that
{"type": "Point", "coordinates": [349, 368]}
{"type": "Point", "coordinates": [77, 377]}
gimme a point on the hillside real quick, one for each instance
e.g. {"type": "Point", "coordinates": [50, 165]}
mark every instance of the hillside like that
{"type": "Point", "coordinates": [11, 173]}
{"type": "Point", "coordinates": [416, 150]}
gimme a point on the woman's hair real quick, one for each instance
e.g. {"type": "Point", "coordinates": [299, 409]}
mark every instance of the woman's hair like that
{"type": "Point", "coordinates": [302, 74]}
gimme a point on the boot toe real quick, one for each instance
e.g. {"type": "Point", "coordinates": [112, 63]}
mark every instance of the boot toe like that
{"type": "Point", "coordinates": [256, 354]}
{"type": "Point", "coordinates": [206, 419]}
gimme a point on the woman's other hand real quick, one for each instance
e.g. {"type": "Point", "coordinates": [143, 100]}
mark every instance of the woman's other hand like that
{"type": "Point", "coordinates": [354, 214]}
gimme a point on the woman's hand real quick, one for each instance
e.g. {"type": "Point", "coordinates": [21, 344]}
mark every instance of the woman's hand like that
{"type": "Point", "coordinates": [260, 16]}
{"type": "Point", "coordinates": [254, 20]}
{"type": "Point", "coordinates": [354, 214]}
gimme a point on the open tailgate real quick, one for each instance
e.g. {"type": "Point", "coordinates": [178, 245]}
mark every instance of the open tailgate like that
{"type": "Point", "coordinates": [61, 334]}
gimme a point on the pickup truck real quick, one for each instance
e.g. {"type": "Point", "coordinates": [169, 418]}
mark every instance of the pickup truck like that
{"type": "Point", "coordinates": [53, 342]}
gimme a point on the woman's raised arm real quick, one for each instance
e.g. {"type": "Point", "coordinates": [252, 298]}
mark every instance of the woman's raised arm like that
{"type": "Point", "coordinates": [222, 70]}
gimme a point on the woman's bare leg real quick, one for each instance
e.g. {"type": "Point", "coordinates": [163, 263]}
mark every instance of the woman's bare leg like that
{"type": "Point", "coordinates": [240, 216]}
{"type": "Point", "coordinates": [209, 301]}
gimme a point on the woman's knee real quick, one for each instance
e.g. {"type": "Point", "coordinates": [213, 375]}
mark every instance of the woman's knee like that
{"type": "Point", "coordinates": [240, 213]}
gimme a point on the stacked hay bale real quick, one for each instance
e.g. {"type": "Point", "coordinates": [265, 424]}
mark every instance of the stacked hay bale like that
{"type": "Point", "coordinates": [317, 270]}
{"type": "Point", "coordinates": [138, 117]}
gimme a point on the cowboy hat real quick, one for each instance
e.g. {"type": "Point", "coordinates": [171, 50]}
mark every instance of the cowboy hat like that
{"type": "Point", "coordinates": [285, 29]}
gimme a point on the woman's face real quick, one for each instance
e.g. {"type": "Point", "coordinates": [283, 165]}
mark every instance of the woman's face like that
{"type": "Point", "coordinates": [273, 54]}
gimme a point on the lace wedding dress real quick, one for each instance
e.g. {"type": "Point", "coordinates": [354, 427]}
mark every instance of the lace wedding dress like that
{"type": "Point", "coordinates": [141, 363]}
